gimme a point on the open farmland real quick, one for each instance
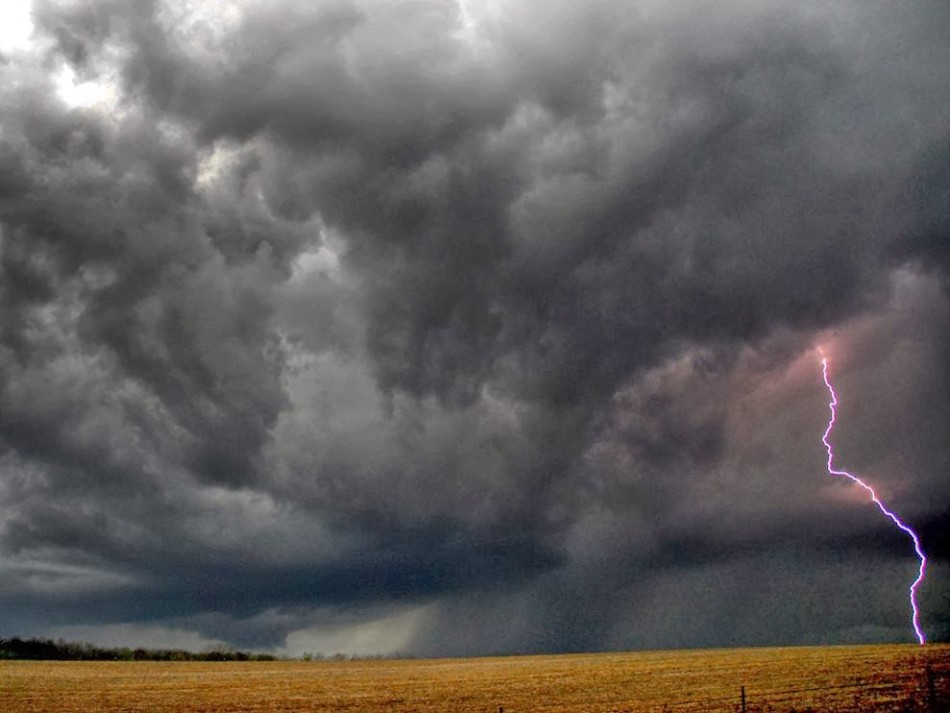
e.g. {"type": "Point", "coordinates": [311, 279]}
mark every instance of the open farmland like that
{"type": "Point", "coordinates": [866, 678]}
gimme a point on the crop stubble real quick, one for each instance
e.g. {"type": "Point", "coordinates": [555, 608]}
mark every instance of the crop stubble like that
{"type": "Point", "coordinates": [867, 678]}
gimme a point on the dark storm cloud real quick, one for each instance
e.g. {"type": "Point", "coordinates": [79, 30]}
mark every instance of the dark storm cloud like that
{"type": "Point", "coordinates": [347, 305]}
{"type": "Point", "coordinates": [106, 252]}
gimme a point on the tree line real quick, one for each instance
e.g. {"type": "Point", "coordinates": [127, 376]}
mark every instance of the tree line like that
{"type": "Point", "coordinates": [49, 650]}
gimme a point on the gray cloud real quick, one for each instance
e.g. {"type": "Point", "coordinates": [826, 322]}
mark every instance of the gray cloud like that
{"type": "Point", "coordinates": [347, 311]}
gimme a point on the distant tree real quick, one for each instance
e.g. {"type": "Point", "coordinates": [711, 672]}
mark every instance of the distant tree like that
{"type": "Point", "coordinates": [49, 650]}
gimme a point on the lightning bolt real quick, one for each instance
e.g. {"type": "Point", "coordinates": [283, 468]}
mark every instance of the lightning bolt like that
{"type": "Point", "coordinates": [877, 501]}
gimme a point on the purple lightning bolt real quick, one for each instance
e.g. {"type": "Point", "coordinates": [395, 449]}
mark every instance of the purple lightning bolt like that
{"type": "Point", "coordinates": [896, 520]}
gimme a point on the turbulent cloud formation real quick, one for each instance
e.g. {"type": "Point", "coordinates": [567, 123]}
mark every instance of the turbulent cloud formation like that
{"type": "Point", "coordinates": [479, 327]}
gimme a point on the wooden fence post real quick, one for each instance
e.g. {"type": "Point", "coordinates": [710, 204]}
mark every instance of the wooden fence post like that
{"type": "Point", "coordinates": [931, 690]}
{"type": "Point", "coordinates": [742, 696]}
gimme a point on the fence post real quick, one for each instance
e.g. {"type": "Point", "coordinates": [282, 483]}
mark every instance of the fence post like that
{"type": "Point", "coordinates": [931, 690]}
{"type": "Point", "coordinates": [742, 696]}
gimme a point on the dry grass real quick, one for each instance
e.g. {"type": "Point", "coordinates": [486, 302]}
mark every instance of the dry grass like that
{"type": "Point", "coordinates": [868, 678]}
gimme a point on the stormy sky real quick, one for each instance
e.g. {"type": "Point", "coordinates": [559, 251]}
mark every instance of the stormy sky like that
{"type": "Point", "coordinates": [472, 327]}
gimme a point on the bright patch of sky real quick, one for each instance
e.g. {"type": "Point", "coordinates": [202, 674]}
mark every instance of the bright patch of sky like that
{"type": "Point", "coordinates": [98, 94]}
{"type": "Point", "coordinates": [16, 35]}
{"type": "Point", "coordinates": [15, 25]}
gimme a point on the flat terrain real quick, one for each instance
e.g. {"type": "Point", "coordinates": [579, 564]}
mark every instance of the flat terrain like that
{"type": "Point", "coordinates": [865, 678]}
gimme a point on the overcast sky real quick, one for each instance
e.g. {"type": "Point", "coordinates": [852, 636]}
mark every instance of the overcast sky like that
{"type": "Point", "coordinates": [383, 325]}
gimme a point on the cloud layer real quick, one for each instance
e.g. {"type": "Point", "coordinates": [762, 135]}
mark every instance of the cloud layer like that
{"type": "Point", "coordinates": [477, 328]}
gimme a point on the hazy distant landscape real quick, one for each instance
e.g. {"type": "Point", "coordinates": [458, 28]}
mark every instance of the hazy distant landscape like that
{"type": "Point", "coordinates": [862, 679]}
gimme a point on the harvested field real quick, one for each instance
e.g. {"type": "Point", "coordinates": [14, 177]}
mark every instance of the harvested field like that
{"type": "Point", "coordinates": [866, 678]}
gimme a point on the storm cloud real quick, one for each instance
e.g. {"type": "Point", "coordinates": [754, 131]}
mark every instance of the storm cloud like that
{"type": "Point", "coordinates": [479, 327]}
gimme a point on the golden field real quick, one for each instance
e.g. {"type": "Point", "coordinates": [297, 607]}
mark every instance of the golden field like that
{"type": "Point", "coordinates": [846, 678]}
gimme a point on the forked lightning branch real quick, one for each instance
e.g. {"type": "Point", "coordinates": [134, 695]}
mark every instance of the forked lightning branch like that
{"type": "Point", "coordinates": [915, 585]}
